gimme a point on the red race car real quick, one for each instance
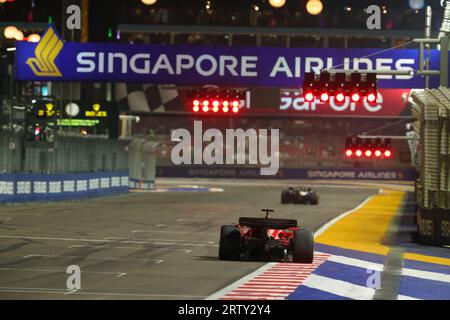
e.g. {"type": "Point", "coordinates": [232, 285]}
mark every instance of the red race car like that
{"type": "Point", "coordinates": [266, 239]}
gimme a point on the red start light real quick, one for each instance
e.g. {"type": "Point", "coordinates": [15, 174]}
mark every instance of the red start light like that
{"type": "Point", "coordinates": [216, 105]}
{"type": "Point", "coordinates": [356, 97]}
{"type": "Point", "coordinates": [205, 104]}
{"type": "Point", "coordinates": [388, 153]}
{"type": "Point", "coordinates": [368, 153]}
{"type": "Point", "coordinates": [371, 97]}
{"type": "Point", "coordinates": [340, 97]}
{"type": "Point", "coordinates": [226, 107]}
{"type": "Point", "coordinates": [349, 153]}
{"type": "Point", "coordinates": [359, 153]}
{"type": "Point", "coordinates": [309, 96]}
{"type": "Point", "coordinates": [235, 105]}
{"type": "Point", "coordinates": [324, 97]}
{"type": "Point", "coordinates": [378, 153]}
{"type": "Point", "coordinates": [215, 101]}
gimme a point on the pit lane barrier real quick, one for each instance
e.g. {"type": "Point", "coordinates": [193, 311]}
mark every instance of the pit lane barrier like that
{"type": "Point", "coordinates": [24, 187]}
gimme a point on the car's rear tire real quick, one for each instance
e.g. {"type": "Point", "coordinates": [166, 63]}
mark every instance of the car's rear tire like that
{"type": "Point", "coordinates": [285, 198]}
{"type": "Point", "coordinates": [303, 246]}
{"type": "Point", "coordinates": [314, 200]}
{"type": "Point", "coordinates": [230, 243]}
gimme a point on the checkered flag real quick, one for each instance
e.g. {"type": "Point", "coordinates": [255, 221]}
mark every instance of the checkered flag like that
{"type": "Point", "coordinates": [137, 97]}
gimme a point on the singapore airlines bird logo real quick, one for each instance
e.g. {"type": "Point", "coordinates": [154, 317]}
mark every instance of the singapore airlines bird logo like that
{"type": "Point", "coordinates": [43, 65]}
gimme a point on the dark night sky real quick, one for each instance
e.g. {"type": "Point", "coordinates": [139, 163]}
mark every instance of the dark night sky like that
{"type": "Point", "coordinates": [108, 13]}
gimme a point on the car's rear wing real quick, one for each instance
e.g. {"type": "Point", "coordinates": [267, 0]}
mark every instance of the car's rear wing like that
{"type": "Point", "coordinates": [268, 223]}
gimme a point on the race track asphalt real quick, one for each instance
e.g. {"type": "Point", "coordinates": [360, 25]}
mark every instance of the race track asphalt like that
{"type": "Point", "coordinates": [142, 245]}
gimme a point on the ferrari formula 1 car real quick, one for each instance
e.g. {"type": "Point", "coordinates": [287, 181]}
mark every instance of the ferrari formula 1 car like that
{"type": "Point", "coordinates": [266, 239]}
{"type": "Point", "coordinates": [302, 195]}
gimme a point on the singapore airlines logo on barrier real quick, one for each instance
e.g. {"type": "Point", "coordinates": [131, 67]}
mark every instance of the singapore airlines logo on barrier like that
{"type": "Point", "coordinates": [43, 65]}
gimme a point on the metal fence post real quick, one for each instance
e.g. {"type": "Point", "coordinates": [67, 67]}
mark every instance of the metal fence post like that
{"type": "Point", "coordinates": [444, 62]}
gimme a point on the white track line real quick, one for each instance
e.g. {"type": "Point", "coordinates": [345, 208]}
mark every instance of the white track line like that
{"type": "Point", "coordinates": [156, 261]}
{"type": "Point", "coordinates": [339, 287]}
{"type": "Point", "coordinates": [147, 241]}
{"type": "Point", "coordinates": [343, 288]}
{"type": "Point", "coordinates": [161, 231]}
{"type": "Point", "coordinates": [70, 292]}
{"type": "Point", "coordinates": [357, 263]}
{"type": "Point", "coordinates": [117, 274]}
{"type": "Point", "coordinates": [402, 297]}
{"type": "Point", "coordinates": [65, 291]}
{"type": "Point", "coordinates": [173, 232]}
{"type": "Point", "coordinates": [134, 248]}
{"type": "Point", "coordinates": [435, 276]}
{"type": "Point", "coordinates": [427, 275]}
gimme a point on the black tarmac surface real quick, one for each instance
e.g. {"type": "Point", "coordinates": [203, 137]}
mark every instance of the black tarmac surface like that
{"type": "Point", "coordinates": [143, 245]}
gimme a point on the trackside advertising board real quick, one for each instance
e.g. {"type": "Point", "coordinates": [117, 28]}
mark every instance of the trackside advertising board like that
{"type": "Point", "coordinates": [54, 60]}
{"type": "Point", "coordinates": [30, 187]}
{"type": "Point", "coordinates": [239, 172]}
{"type": "Point", "coordinates": [389, 102]}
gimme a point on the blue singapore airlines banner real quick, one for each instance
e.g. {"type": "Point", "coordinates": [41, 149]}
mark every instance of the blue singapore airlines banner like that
{"type": "Point", "coordinates": [54, 60]}
{"type": "Point", "coordinates": [240, 172]}
{"type": "Point", "coordinates": [29, 187]}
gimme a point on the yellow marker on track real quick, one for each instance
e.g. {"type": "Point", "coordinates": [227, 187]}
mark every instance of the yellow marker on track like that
{"type": "Point", "coordinates": [365, 228]}
{"type": "Point", "coordinates": [428, 259]}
